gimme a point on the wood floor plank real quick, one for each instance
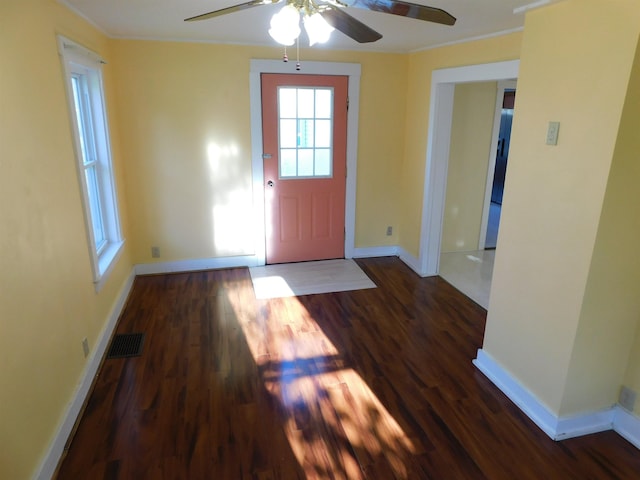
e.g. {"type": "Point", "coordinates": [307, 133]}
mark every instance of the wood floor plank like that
{"type": "Point", "coordinates": [365, 384]}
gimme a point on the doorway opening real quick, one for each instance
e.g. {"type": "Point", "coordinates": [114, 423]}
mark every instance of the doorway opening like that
{"type": "Point", "coordinates": [304, 129]}
{"type": "Point", "coordinates": [259, 67]}
{"type": "Point", "coordinates": [471, 163]}
{"type": "Point", "coordinates": [505, 102]}
{"type": "Point", "coordinates": [439, 138]}
{"type": "Point", "coordinates": [481, 127]}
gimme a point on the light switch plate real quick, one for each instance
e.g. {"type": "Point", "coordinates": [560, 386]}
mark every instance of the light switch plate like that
{"type": "Point", "coordinates": [552, 133]}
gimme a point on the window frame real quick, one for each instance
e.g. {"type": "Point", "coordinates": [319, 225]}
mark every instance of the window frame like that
{"type": "Point", "coordinates": [102, 207]}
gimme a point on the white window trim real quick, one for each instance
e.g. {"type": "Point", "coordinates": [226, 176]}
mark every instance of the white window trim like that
{"type": "Point", "coordinates": [74, 55]}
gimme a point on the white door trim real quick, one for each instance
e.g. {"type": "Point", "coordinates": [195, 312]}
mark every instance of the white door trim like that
{"type": "Point", "coordinates": [352, 70]}
{"type": "Point", "coordinates": [497, 119]}
{"type": "Point", "coordinates": [439, 137]}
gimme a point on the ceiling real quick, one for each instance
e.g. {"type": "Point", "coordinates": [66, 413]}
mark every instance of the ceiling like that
{"type": "Point", "coordinates": [163, 20]}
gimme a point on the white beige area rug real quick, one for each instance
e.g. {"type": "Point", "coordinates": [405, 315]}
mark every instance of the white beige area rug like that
{"type": "Point", "coordinates": [292, 279]}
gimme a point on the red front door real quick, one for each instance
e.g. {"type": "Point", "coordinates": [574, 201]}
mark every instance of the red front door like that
{"type": "Point", "coordinates": [304, 127]}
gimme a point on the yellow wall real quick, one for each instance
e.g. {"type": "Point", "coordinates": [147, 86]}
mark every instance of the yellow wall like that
{"type": "Point", "coordinates": [474, 108]}
{"type": "Point", "coordinates": [185, 128]}
{"type": "Point", "coordinates": [575, 67]}
{"type": "Point", "coordinates": [47, 300]}
{"type": "Point", "coordinates": [421, 67]}
{"type": "Point", "coordinates": [611, 308]}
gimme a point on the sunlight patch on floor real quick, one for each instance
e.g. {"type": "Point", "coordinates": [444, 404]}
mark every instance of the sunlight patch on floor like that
{"type": "Point", "coordinates": [334, 422]}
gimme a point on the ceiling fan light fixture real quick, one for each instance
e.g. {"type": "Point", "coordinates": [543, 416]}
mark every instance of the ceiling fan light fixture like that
{"type": "Point", "coordinates": [285, 25]}
{"type": "Point", "coordinates": [317, 28]}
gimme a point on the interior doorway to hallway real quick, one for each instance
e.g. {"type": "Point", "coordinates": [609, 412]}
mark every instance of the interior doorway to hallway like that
{"type": "Point", "coordinates": [476, 172]}
{"type": "Point", "coordinates": [443, 84]}
{"type": "Point", "coordinates": [471, 167]}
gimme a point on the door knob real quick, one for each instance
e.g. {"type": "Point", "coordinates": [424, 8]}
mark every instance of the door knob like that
{"type": "Point", "coordinates": [270, 183]}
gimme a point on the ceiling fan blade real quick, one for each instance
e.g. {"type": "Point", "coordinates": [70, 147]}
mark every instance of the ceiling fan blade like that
{"type": "Point", "coordinates": [234, 8]}
{"type": "Point", "coordinates": [404, 9]}
{"type": "Point", "coordinates": [351, 27]}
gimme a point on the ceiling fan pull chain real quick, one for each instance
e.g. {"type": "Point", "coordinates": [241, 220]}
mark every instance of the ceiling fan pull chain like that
{"type": "Point", "coordinates": [297, 54]}
{"type": "Point", "coordinates": [285, 58]}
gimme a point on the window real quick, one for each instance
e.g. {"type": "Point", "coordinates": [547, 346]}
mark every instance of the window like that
{"type": "Point", "coordinates": [306, 126]}
{"type": "Point", "coordinates": [83, 71]}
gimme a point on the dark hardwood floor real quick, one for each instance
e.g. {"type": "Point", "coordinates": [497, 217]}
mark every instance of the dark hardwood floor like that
{"type": "Point", "coordinates": [374, 384]}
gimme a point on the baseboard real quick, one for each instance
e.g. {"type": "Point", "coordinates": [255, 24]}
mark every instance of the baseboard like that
{"type": "Point", "coordinates": [369, 252]}
{"type": "Point", "coordinates": [412, 262]}
{"type": "Point", "coordinates": [557, 428]}
{"type": "Point", "coordinates": [627, 426]}
{"type": "Point", "coordinates": [197, 264]}
{"type": "Point", "coordinates": [241, 261]}
{"type": "Point", "coordinates": [50, 462]}
{"type": "Point", "coordinates": [585, 423]}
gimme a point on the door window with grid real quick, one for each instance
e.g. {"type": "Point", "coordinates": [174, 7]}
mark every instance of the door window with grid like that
{"type": "Point", "coordinates": [305, 117]}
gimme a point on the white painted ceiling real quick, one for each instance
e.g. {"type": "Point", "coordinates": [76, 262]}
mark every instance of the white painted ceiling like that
{"type": "Point", "coordinates": [164, 20]}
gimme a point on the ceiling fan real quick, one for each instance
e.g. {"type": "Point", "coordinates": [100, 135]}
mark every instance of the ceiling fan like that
{"type": "Point", "coordinates": [332, 13]}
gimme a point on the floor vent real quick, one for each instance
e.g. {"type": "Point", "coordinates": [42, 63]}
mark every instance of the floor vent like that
{"type": "Point", "coordinates": [126, 345]}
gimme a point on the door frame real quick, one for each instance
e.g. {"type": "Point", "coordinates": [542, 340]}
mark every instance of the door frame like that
{"type": "Point", "coordinates": [351, 70]}
{"type": "Point", "coordinates": [497, 119]}
{"type": "Point", "coordinates": [443, 84]}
